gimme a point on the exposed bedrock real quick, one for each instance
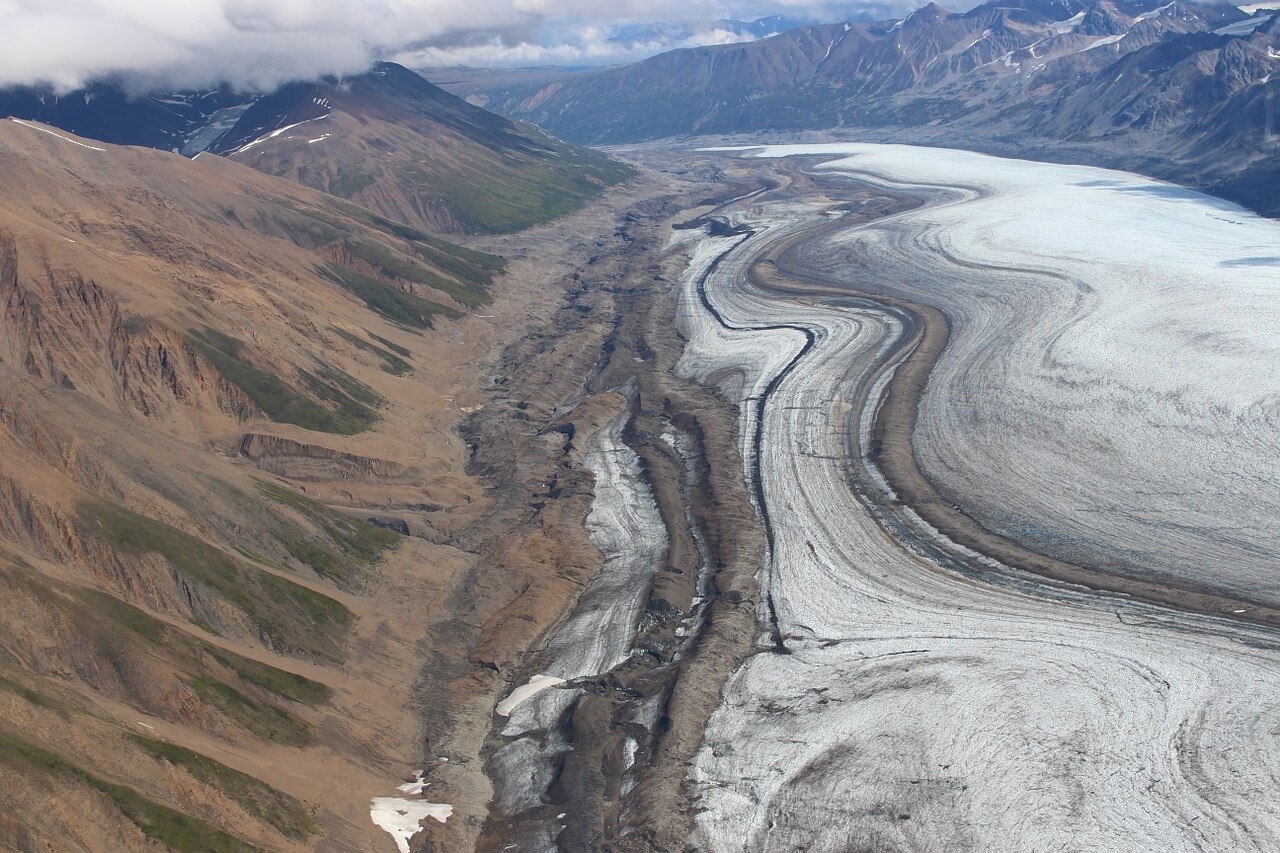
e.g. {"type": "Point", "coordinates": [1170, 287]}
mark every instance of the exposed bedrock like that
{"type": "Point", "coordinates": [312, 462]}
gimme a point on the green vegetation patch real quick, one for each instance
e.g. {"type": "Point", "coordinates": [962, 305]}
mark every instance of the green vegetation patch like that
{"type": "Point", "coordinates": [313, 228]}
{"type": "Point", "coordinates": [302, 226]}
{"type": "Point", "coordinates": [250, 554]}
{"type": "Point", "coordinates": [176, 830]}
{"type": "Point", "coordinates": [323, 560]}
{"type": "Point", "coordinates": [359, 544]}
{"type": "Point", "coordinates": [407, 309]}
{"type": "Point", "coordinates": [391, 362]}
{"type": "Point", "coordinates": [520, 190]}
{"type": "Point", "coordinates": [16, 561]}
{"type": "Point", "coordinates": [472, 291]}
{"type": "Point", "coordinates": [288, 685]}
{"type": "Point", "coordinates": [287, 814]}
{"type": "Point", "coordinates": [286, 614]}
{"type": "Point", "coordinates": [120, 615]}
{"type": "Point", "coordinates": [261, 718]}
{"type": "Point", "coordinates": [346, 184]}
{"type": "Point", "coordinates": [276, 398]}
{"type": "Point", "coordinates": [356, 404]}
{"type": "Point", "coordinates": [31, 696]}
{"type": "Point", "coordinates": [467, 264]}
{"type": "Point", "coordinates": [391, 345]}
{"type": "Point", "coordinates": [209, 663]}
{"type": "Point", "coordinates": [118, 633]}
{"type": "Point", "coordinates": [339, 382]}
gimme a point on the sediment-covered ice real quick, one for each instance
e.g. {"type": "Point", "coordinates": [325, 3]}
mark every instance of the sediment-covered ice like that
{"type": "Point", "coordinates": [625, 525]}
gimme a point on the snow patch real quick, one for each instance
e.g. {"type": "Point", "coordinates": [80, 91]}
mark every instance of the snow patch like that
{"type": "Point", "coordinates": [402, 818]}
{"type": "Point", "coordinates": [1242, 28]}
{"type": "Point", "coordinates": [215, 128]}
{"type": "Point", "coordinates": [414, 787]}
{"type": "Point", "coordinates": [526, 691]}
{"type": "Point", "coordinates": [59, 135]}
{"type": "Point", "coordinates": [273, 134]}
{"type": "Point", "coordinates": [1070, 25]}
{"type": "Point", "coordinates": [1154, 13]}
{"type": "Point", "coordinates": [1105, 40]}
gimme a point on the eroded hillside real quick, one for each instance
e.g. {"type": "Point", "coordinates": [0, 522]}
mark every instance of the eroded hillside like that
{"type": "Point", "coordinates": [228, 412]}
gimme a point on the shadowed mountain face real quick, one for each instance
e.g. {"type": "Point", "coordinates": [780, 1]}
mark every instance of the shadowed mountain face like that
{"type": "Point", "coordinates": [1181, 90]}
{"type": "Point", "coordinates": [388, 140]}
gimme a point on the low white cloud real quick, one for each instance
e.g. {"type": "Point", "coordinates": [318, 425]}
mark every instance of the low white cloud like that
{"type": "Point", "coordinates": [594, 47]}
{"type": "Point", "coordinates": [258, 44]}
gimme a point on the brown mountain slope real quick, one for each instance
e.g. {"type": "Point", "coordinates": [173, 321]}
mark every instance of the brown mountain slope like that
{"type": "Point", "coordinates": [193, 651]}
{"type": "Point", "coordinates": [387, 139]}
{"type": "Point", "coordinates": [398, 145]}
{"type": "Point", "coordinates": [187, 245]}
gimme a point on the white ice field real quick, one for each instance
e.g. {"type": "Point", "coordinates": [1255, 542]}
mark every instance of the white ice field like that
{"type": "Point", "coordinates": [1110, 384]}
{"type": "Point", "coordinates": [1111, 390]}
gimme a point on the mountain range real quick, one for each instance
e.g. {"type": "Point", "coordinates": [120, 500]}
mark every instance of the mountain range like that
{"type": "Point", "coordinates": [387, 139]}
{"type": "Point", "coordinates": [1181, 90]}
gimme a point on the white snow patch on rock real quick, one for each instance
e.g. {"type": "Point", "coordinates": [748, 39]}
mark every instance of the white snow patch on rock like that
{"type": "Point", "coordinates": [52, 133]}
{"type": "Point", "coordinates": [526, 691]}
{"type": "Point", "coordinates": [402, 818]}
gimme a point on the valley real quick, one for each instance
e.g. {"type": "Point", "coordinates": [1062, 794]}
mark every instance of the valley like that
{"type": "Point", "coordinates": [263, 565]}
{"type": "Point", "coordinates": [1182, 91]}
{"type": "Point", "coordinates": [833, 632]}
{"type": "Point", "coordinates": [560, 427]}
{"type": "Point", "coordinates": [826, 496]}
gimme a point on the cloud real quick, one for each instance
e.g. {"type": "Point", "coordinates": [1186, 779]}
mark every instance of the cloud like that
{"type": "Point", "coordinates": [591, 46]}
{"type": "Point", "coordinates": [258, 44]}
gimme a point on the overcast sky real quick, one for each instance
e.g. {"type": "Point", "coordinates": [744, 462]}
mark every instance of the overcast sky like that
{"type": "Point", "coordinates": [257, 44]}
